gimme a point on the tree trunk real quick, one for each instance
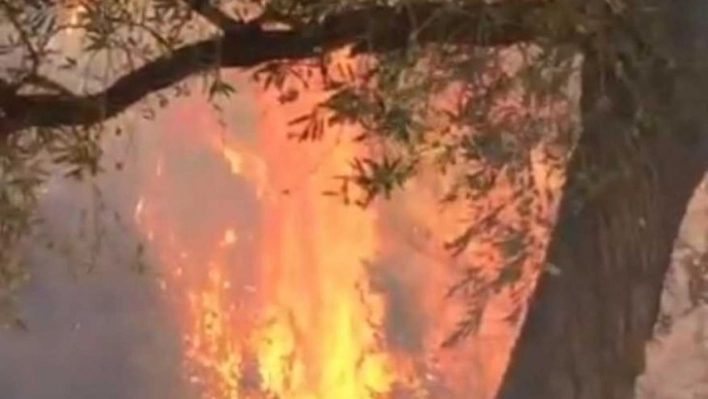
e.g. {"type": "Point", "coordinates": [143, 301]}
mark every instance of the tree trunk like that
{"type": "Point", "coordinates": [585, 333]}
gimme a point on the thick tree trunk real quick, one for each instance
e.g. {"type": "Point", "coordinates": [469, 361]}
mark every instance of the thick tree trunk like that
{"type": "Point", "coordinates": [584, 336]}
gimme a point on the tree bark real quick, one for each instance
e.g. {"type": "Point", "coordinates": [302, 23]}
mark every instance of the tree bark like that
{"type": "Point", "coordinates": [585, 332]}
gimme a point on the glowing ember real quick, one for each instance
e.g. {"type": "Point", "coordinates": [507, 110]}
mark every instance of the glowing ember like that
{"type": "Point", "coordinates": [229, 238]}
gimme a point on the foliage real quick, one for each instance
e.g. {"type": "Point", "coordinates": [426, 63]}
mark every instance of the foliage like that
{"type": "Point", "coordinates": [474, 110]}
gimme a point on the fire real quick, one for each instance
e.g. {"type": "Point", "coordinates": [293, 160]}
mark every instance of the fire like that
{"type": "Point", "coordinates": [278, 298]}
{"type": "Point", "coordinates": [305, 324]}
{"type": "Point", "coordinates": [242, 162]}
{"type": "Point", "coordinates": [302, 322]}
{"type": "Point", "coordinates": [321, 340]}
{"type": "Point", "coordinates": [285, 307]}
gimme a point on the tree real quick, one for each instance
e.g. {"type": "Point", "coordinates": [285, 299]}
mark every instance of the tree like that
{"type": "Point", "coordinates": [632, 168]}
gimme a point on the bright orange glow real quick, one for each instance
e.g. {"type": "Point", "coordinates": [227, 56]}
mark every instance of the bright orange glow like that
{"type": "Point", "coordinates": [314, 329]}
{"type": "Point", "coordinates": [321, 339]}
{"type": "Point", "coordinates": [300, 296]}
{"type": "Point", "coordinates": [284, 293]}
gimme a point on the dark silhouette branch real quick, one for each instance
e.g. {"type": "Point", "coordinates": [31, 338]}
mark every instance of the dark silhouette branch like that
{"type": "Point", "coordinates": [213, 14]}
{"type": "Point", "coordinates": [372, 29]}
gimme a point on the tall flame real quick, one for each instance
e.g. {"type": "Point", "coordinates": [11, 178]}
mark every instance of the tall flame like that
{"type": "Point", "coordinates": [308, 324]}
{"type": "Point", "coordinates": [277, 295]}
{"type": "Point", "coordinates": [321, 339]}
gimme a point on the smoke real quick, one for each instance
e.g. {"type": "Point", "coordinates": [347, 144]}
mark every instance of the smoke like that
{"type": "Point", "coordinates": [104, 334]}
{"type": "Point", "coordinates": [111, 333]}
{"type": "Point", "coordinates": [403, 325]}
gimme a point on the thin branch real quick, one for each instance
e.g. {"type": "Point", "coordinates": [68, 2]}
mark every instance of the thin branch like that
{"type": "Point", "coordinates": [11, 14]}
{"type": "Point", "coordinates": [47, 83]}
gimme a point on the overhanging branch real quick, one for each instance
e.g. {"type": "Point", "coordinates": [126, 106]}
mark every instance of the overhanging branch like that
{"type": "Point", "coordinates": [372, 29]}
{"type": "Point", "coordinates": [213, 14]}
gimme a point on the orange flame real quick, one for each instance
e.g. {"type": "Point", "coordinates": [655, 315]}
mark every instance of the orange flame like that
{"type": "Point", "coordinates": [285, 307]}
{"type": "Point", "coordinates": [298, 316]}
{"type": "Point", "coordinates": [321, 339]}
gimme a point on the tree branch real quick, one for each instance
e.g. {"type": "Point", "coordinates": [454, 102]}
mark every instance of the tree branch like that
{"type": "Point", "coordinates": [213, 14]}
{"type": "Point", "coordinates": [372, 29]}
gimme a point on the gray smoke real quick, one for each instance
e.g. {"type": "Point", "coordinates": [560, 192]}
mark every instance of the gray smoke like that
{"type": "Point", "coordinates": [105, 334]}
{"type": "Point", "coordinates": [109, 333]}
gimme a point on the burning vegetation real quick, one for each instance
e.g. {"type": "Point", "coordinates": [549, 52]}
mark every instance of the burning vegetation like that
{"type": "Point", "coordinates": [310, 293]}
